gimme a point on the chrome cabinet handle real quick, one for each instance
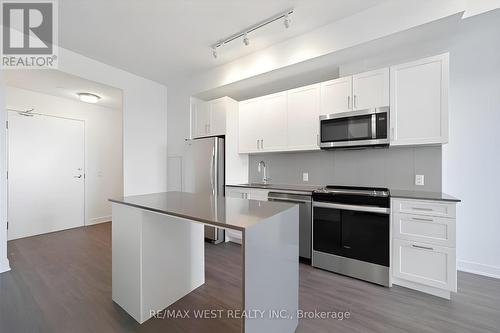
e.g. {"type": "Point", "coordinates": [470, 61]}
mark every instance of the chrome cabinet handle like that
{"type": "Point", "coordinates": [348, 102]}
{"type": "Point", "coordinates": [423, 209]}
{"type": "Point", "coordinates": [421, 219]}
{"type": "Point", "coordinates": [422, 247]}
{"type": "Point", "coordinates": [257, 143]}
{"type": "Point", "coordinates": [79, 176]}
{"type": "Point", "coordinates": [261, 143]}
{"type": "Point", "coordinates": [355, 102]}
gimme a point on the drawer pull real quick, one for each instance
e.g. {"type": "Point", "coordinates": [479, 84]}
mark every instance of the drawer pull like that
{"type": "Point", "coordinates": [423, 247]}
{"type": "Point", "coordinates": [423, 209]}
{"type": "Point", "coordinates": [421, 219]}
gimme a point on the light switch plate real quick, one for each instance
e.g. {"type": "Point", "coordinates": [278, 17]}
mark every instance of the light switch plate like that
{"type": "Point", "coordinates": [305, 176]}
{"type": "Point", "coordinates": [419, 180]}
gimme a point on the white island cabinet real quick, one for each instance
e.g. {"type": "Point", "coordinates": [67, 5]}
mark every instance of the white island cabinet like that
{"type": "Point", "coordinates": [158, 254]}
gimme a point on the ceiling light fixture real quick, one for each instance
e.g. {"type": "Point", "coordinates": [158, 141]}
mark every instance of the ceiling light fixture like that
{"type": "Point", "coordinates": [285, 16]}
{"type": "Point", "coordinates": [286, 21]}
{"type": "Point", "coordinates": [88, 97]}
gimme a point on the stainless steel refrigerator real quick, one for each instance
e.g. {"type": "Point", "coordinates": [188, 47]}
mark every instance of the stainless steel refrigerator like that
{"type": "Point", "coordinates": [204, 173]}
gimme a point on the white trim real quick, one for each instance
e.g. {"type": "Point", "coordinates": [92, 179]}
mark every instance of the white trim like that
{"type": "Point", "coordinates": [477, 268]}
{"type": "Point", "coordinates": [97, 220]}
{"type": "Point", "coordinates": [4, 266]}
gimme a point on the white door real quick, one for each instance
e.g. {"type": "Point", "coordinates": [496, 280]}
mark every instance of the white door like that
{"type": "Point", "coordinates": [273, 121]}
{"type": "Point", "coordinates": [201, 119]}
{"type": "Point", "coordinates": [336, 95]}
{"type": "Point", "coordinates": [217, 124]}
{"type": "Point", "coordinates": [303, 117]}
{"type": "Point", "coordinates": [46, 174]}
{"type": "Point", "coordinates": [249, 126]}
{"type": "Point", "coordinates": [419, 102]}
{"type": "Point", "coordinates": [370, 89]}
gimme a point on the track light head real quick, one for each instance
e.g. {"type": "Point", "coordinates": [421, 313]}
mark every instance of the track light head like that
{"type": "Point", "coordinates": [286, 21]}
{"type": "Point", "coordinates": [246, 40]}
{"type": "Point", "coordinates": [214, 53]}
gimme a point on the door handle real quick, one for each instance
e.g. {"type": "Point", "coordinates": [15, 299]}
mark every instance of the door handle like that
{"type": "Point", "coordinates": [261, 143]}
{"type": "Point", "coordinates": [348, 102]}
{"type": "Point", "coordinates": [355, 102]}
{"type": "Point", "coordinates": [79, 176]}
{"type": "Point", "coordinates": [422, 247]}
{"type": "Point", "coordinates": [257, 143]}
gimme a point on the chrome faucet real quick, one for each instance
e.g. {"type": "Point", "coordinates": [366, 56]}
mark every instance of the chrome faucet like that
{"type": "Point", "coordinates": [262, 165]}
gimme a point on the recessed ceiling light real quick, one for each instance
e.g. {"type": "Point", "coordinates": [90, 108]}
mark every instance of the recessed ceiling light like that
{"type": "Point", "coordinates": [89, 98]}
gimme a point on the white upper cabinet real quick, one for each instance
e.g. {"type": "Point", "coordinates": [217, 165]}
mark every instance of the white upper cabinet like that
{"type": "Point", "coordinates": [419, 101]}
{"type": "Point", "coordinates": [250, 132]}
{"type": "Point", "coordinates": [200, 118]}
{"type": "Point", "coordinates": [218, 109]}
{"type": "Point", "coordinates": [336, 95]}
{"type": "Point", "coordinates": [303, 117]}
{"type": "Point", "coordinates": [370, 89]}
{"type": "Point", "coordinates": [208, 118]}
{"type": "Point", "coordinates": [263, 124]}
{"type": "Point", "coordinates": [273, 122]}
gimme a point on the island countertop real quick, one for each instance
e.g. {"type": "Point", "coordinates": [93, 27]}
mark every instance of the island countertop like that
{"type": "Point", "coordinates": [233, 213]}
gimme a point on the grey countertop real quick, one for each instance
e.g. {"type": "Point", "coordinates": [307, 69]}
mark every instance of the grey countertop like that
{"type": "Point", "coordinates": [233, 213]}
{"type": "Point", "coordinates": [308, 189]}
{"type": "Point", "coordinates": [424, 195]}
{"type": "Point", "coordinates": [395, 193]}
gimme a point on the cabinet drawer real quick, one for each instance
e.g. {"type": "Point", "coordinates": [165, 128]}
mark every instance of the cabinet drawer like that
{"type": "Point", "coordinates": [428, 264]}
{"type": "Point", "coordinates": [428, 229]}
{"type": "Point", "coordinates": [424, 207]}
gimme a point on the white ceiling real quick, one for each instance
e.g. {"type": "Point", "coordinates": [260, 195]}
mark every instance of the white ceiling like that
{"type": "Point", "coordinates": [167, 40]}
{"type": "Point", "coordinates": [56, 83]}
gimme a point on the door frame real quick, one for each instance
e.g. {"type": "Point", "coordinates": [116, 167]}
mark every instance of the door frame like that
{"type": "Point", "coordinates": [7, 146]}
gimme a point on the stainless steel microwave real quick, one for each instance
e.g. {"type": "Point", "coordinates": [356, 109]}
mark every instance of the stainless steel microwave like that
{"type": "Point", "coordinates": [364, 128]}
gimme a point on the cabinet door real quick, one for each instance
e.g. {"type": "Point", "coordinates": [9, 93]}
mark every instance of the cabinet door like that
{"type": "Point", "coordinates": [217, 125]}
{"type": "Point", "coordinates": [424, 263]}
{"type": "Point", "coordinates": [249, 129]}
{"type": "Point", "coordinates": [370, 89]}
{"type": "Point", "coordinates": [239, 193]}
{"type": "Point", "coordinates": [303, 117]}
{"type": "Point", "coordinates": [419, 102]}
{"type": "Point", "coordinates": [272, 120]}
{"type": "Point", "coordinates": [336, 95]}
{"type": "Point", "coordinates": [258, 194]}
{"type": "Point", "coordinates": [200, 119]}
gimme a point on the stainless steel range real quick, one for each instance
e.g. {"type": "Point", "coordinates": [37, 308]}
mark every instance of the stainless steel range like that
{"type": "Point", "coordinates": [351, 232]}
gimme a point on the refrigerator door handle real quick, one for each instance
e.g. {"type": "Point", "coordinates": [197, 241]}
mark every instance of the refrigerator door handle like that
{"type": "Point", "coordinates": [212, 171]}
{"type": "Point", "coordinates": [216, 167]}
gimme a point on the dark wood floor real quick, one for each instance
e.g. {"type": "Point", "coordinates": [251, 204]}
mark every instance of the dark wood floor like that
{"type": "Point", "coordinates": [61, 282]}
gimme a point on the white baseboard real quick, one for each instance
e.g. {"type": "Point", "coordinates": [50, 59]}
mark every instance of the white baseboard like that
{"type": "Point", "coordinates": [4, 265]}
{"type": "Point", "coordinates": [97, 220]}
{"type": "Point", "coordinates": [480, 269]}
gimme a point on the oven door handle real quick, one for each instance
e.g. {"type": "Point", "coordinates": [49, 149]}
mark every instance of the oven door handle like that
{"type": "Point", "coordinates": [370, 209]}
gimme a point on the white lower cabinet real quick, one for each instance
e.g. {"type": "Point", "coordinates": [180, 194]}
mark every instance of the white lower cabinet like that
{"type": "Point", "coordinates": [242, 193]}
{"type": "Point", "coordinates": [424, 263]}
{"type": "Point", "coordinates": [424, 246]}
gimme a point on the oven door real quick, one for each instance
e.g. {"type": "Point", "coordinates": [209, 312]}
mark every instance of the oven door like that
{"type": "Point", "coordinates": [355, 128]}
{"type": "Point", "coordinates": [356, 232]}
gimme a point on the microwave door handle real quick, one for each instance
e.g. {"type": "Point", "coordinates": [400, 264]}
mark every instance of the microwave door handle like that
{"type": "Point", "coordinates": [374, 126]}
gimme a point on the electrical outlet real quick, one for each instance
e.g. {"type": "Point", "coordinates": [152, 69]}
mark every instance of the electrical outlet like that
{"type": "Point", "coordinates": [419, 180]}
{"type": "Point", "coordinates": [305, 176]}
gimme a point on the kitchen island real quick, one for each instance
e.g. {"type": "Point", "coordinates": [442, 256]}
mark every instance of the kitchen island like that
{"type": "Point", "coordinates": [158, 254]}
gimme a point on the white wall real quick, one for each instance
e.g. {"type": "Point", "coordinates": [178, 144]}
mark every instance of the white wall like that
{"type": "Point", "coordinates": [4, 262]}
{"type": "Point", "coordinates": [144, 128]}
{"type": "Point", "coordinates": [103, 145]}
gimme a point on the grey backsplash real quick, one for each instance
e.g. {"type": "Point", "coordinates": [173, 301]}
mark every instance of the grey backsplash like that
{"type": "Point", "coordinates": [390, 167]}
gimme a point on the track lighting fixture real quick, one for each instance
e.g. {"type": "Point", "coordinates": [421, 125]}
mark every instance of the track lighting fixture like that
{"type": "Point", "coordinates": [285, 16]}
{"type": "Point", "coordinates": [286, 21]}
